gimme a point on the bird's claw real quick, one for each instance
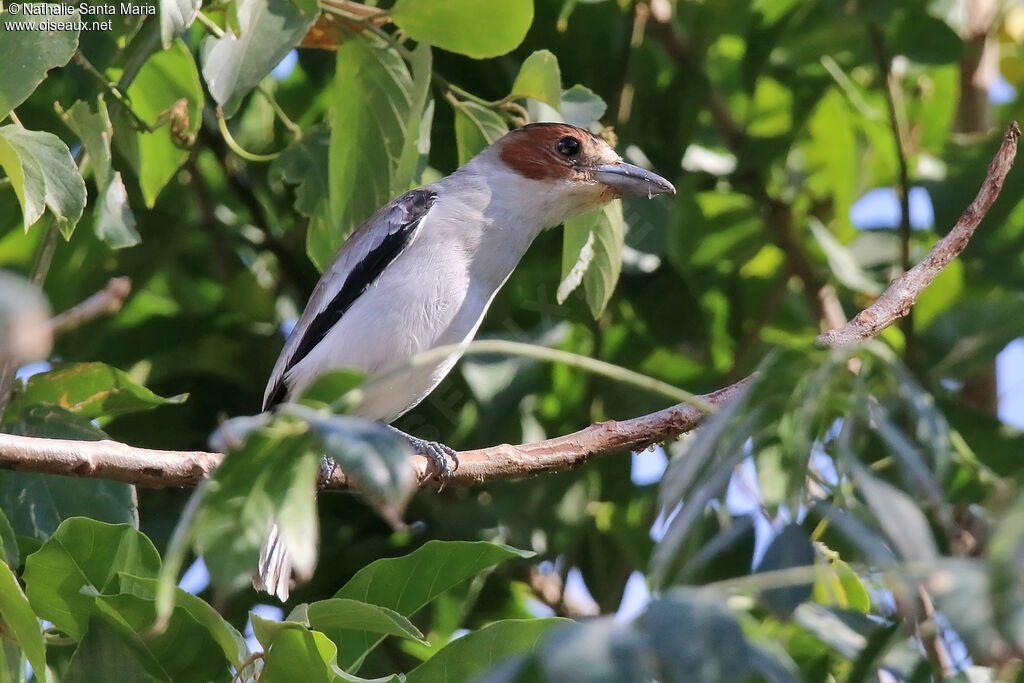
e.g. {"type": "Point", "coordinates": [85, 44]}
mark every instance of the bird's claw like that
{"type": "Point", "coordinates": [438, 453]}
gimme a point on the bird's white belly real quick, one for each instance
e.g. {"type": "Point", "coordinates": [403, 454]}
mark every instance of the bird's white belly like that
{"type": "Point", "coordinates": [392, 322]}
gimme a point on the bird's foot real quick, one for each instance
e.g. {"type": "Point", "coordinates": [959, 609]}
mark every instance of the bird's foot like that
{"type": "Point", "coordinates": [438, 454]}
{"type": "Point", "coordinates": [327, 467]}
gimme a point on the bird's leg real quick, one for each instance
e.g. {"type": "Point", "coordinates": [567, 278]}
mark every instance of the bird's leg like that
{"type": "Point", "coordinates": [438, 453]}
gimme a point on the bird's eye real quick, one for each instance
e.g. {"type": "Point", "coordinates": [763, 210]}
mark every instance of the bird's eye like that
{"type": "Point", "coordinates": [568, 146]}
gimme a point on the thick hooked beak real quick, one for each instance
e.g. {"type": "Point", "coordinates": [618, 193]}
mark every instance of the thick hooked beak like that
{"type": "Point", "coordinates": [632, 180]}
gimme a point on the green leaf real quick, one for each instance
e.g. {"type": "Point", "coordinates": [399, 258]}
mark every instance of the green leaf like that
{"type": "Point", "coordinates": [354, 615]}
{"type": "Point", "coordinates": [82, 559]}
{"type": "Point", "coordinates": [838, 585]}
{"type": "Point", "coordinates": [267, 31]}
{"type": "Point", "coordinates": [899, 517]}
{"type": "Point", "coordinates": [114, 221]}
{"type": "Point", "coordinates": [304, 164]}
{"type": "Point", "coordinates": [479, 651]}
{"type": "Point", "coordinates": [601, 649]}
{"type": "Point", "coordinates": [376, 111]}
{"type": "Point", "coordinates": [166, 78]}
{"type": "Point", "coordinates": [175, 17]}
{"type": "Point", "coordinates": [89, 390]}
{"type": "Point", "coordinates": [330, 386]}
{"type": "Point", "coordinates": [29, 54]}
{"type": "Point", "coordinates": [923, 38]}
{"type": "Point", "coordinates": [455, 25]}
{"type": "Point", "coordinates": [17, 614]}
{"type": "Point", "coordinates": [270, 479]}
{"type": "Point", "coordinates": [375, 459]}
{"type": "Point", "coordinates": [103, 656]}
{"type": "Point", "coordinates": [540, 78]}
{"type": "Point", "coordinates": [476, 127]}
{"type": "Point", "coordinates": [44, 176]}
{"type": "Point", "coordinates": [8, 542]}
{"type": "Point", "coordinates": [37, 503]}
{"type": "Point", "coordinates": [592, 255]}
{"type": "Point", "coordinates": [581, 106]}
{"type": "Point", "coordinates": [398, 584]}
{"type": "Point", "coordinates": [842, 262]}
{"type": "Point", "coordinates": [231, 642]}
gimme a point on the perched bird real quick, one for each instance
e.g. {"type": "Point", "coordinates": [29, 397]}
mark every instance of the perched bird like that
{"type": "Point", "coordinates": [422, 271]}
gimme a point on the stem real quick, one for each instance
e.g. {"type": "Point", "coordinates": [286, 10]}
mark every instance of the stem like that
{"type": "Point", "coordinates": [292, 127]}
{"type": "Point", "coordinates": [114, 91]}
{"type": "Point", "coordinates": [14, 117]}
{"type": "Point", "coordinates": [510, 348]}
{"type": "Point", "coordinates": [210, 25]}
{"type": "Point", "coordinates": [237, 148]}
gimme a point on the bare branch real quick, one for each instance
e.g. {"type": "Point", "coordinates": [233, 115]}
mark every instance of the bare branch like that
{"type": "Point", "coordinates": [106, 301]}
{"type": "Point", "coordinates": [896, 301]}
{"type": "Point", "coordinates": [159, 469]}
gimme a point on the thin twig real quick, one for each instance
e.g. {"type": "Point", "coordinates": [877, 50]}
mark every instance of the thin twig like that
{"type": "Point", "coordinates": [106, 301]}
{"type": "Point", "coordinates": [884, 63]}
{"type": "Point", "coordinates": [896, 301]}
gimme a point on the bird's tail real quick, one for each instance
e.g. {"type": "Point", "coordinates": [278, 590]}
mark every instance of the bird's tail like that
{"type": "Point", "coordinates": [275, 569]}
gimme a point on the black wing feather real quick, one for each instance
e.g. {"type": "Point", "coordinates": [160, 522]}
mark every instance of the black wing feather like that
{"type": "Point", "coordinates": [404, 216]}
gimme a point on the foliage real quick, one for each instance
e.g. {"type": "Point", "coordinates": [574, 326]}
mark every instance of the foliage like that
{"type": "Point", "coordinates": [854, 511]}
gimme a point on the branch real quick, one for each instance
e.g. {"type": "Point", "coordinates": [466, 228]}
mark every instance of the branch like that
{"type": "Point", "coordinates": [159, 469]}
{"type": "Point", "coordinates": [107, 300]}
{"type": "Point", "coordinates": [896, 301]}
{"type": "Point", "coordinates": [154, 468]}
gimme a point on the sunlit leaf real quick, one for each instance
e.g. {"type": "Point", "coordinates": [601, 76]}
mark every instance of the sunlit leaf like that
{"type": "Point", "coordinates": [267, 30]}
{"type": "Point", "coordinates": [478, 651]}
{"type": "Point", "coordinates": [454, 25]}
{"type": "Point", "coordinates": [166, 86]}
{"type": "Point", "coordinates": [84, 558]}
{"type": "Point", "coordinates": [592, 255]}
{"type": "Point", "coordinates": [89, 390]}
{"type": "Point", "coordinates": [34, 51]}
{"type": "Point", "coordinates": [18, 616]}
{"type": "Point", "coordinates": [540, 78]}
{"type": "Point", "coordinates": [396, 583]}
{"type": "Point", "coordinates": [44, 177]}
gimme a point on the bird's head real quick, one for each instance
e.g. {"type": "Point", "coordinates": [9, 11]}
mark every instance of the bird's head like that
{"type": "Point", "coordinates": [584, 168]}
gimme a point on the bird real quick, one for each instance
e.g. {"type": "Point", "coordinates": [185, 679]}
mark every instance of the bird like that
{"type": "Point", "coordinates": [421, 272]}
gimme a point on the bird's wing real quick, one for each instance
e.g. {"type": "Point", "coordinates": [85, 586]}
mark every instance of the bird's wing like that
{"type": "Point", "coordinates": [374, 245]}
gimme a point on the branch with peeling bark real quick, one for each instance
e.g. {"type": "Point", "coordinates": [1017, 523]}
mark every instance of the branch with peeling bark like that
{"type": "Point", "coordinates": [155, 468]}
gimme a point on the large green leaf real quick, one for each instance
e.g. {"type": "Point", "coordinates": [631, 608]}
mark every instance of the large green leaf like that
{"type": "Point", "coordinates": [29, 53]}
{"type": "Point", "coordinates": [480, 650]}
{"type": "Point", "coordinates": [36, 503]}
{"type": "Point", "coordinates": [476, 127]}
{"type": "Point", "coordinates": [43, 175]}
{"type": "Point", "coordinates": [267, 31]}
{"type": "Point", "coordinates": [455, 25]}
{"type": "Point", "coordinates": [592, 255]}
{"type": "Point", "coordinates": [581, 106]}
{"type": "Point", "coordinates": [113, 220]}
{"type": "Point", "coordinates": [17, 614]}
{"type": "Point", "coordinates": [405, 584]}
{"type": "Point", "coordinates": [189, 608]}
{"type": "Point", "coordinates": [294, 653]}
{"type": "Point", "coordinates": [167, 78]}
{"type": "Point", "coordinates": [540, 78]}
{"type": "Point", "coordinates": [355, 615]}
{"type": "Point", "coordinates": [103, 656]}
{"type": "Point", "coordinates": [88, 390]}
{"type": "Point", "coordinates": [84, 558]}
{"type": "Point", "coordinates": [377, 107]}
